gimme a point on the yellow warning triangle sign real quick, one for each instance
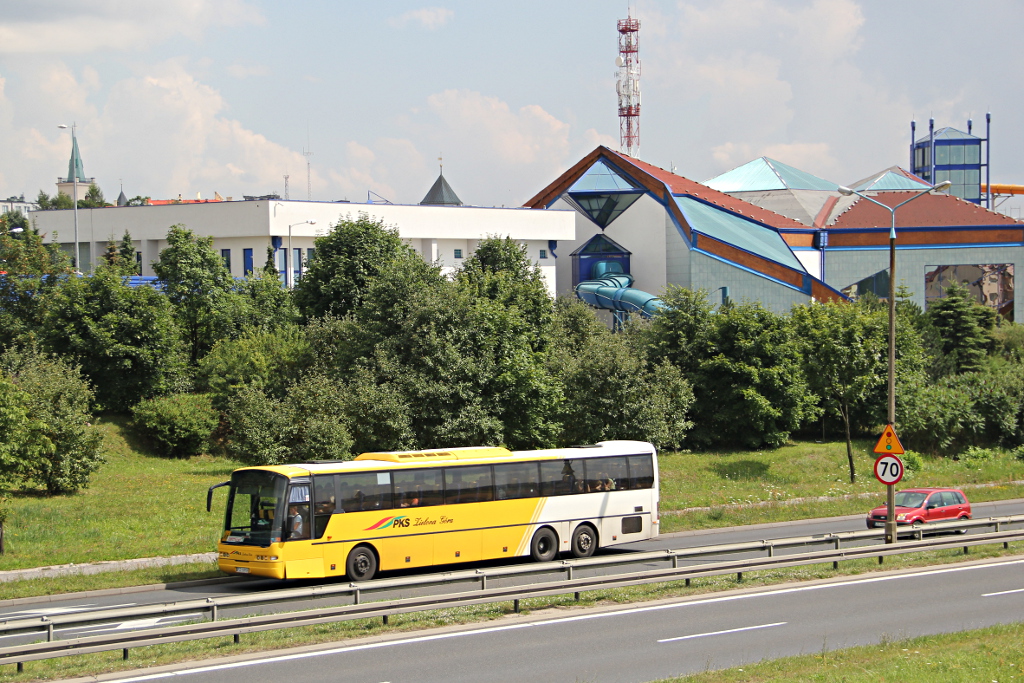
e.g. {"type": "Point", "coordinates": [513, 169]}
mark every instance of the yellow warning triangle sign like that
{"type": "Point", "coordinates": [889, 443]}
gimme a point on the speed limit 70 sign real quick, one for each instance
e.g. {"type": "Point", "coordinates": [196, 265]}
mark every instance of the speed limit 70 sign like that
{"type": "Point", "coordinates": [889, 470]}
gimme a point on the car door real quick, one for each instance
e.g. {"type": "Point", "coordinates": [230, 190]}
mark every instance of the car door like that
{"type": "Point", "coordinates": [947, 506]}
{"type": "Point", "coordinates": [934, 507]}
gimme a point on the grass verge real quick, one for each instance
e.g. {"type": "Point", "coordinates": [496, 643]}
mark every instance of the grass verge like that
{"type": "Point", "coordinates": [58, 585]}
{"type": "Point", "coordinates": [159, 655]}
{"type": "Point", "coordinates": [989, 654]}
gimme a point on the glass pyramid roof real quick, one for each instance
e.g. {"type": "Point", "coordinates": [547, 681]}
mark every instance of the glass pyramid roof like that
{"type": "Point", "coordinates": [601, 178]}
{"type": "Point", "coordinates": [767, 174]}
{"type": "Point", "coordinates": [737, 231]}
{"type": "Point", "coordinates": [891, 181]}
{"type": "Point", "coordinates": [949, 134]}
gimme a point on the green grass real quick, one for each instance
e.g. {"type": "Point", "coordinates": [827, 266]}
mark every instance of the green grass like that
{"type": "Point", "coordinates": [751, 487]}
{"type": "Point", "coordinates": [107, 580]}
{"type": "Point", "coordinates": [990, 654]}
{"type": "Point", "coordinates": [137, 505]}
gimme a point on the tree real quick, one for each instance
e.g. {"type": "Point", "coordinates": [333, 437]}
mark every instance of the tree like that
{"type": "Point", "coordinates": [58, 201]}
{"type": "Point", "coordinates": [845, 356]}
{"type": "Point", "coordinates": [965, 327]}
{"type": "Point", "coordinates": [743, 363]}
{"type": "Point", "coordinates": [347, 259]}
{"type": "Point", "coordinates": [59, 401]}
{"type": "Point", "coordinates": [138, 200]}
{"type": "Point", "coordinates": [11, 220]}
{"type": "Point", "coordinates": [501, 271]}
{"type": "Point", "coordinates": [125, 339]}
{"type": "Point", "coordinates": [198, 284]}
{"type": "Point", "coordinates": [93, 198]}
{"type": "Point", "coordinates": [611, 388]}
{"type": "Point", "coordinates": [21, 437]}
{"type": "Point", "coordinates": [29, 271]}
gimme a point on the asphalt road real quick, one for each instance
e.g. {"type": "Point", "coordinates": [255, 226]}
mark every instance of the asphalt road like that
{"type": "Point", "coordinates": [643, 643]}
{"type": "Point", "coordinates": [76, 603]}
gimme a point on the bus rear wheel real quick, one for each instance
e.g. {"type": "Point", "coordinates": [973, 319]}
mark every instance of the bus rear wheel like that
{"type": "Point", "coordinates": [361, 564]}
{"type": "Point", "coordinates": [544, 546]}
{"type": "Point", "coordinates": [584, 541]}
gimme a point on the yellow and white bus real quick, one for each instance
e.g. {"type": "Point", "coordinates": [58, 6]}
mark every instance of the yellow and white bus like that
{"type": "Point", "coordinates": [386, 511]}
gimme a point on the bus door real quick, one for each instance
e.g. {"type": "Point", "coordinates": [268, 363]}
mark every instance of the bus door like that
{"type": "Point", "coordinates": [467, 491]}
{"type": "Point", "coordinates": [302, 559]}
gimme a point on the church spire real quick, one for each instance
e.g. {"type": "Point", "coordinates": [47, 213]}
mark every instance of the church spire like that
{"type": "Point", "coordinates": [75, 164]}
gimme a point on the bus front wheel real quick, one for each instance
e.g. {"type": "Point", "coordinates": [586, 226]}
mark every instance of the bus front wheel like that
{"type": "Point", "coordinates": [362, 564]}
{"type": "Point", "coordinates": [584, 541]}
{"type": "Point", "coordinates": [544, 546]}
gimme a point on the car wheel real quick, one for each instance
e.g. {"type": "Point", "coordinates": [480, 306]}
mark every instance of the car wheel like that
{"type": "Point", "coordinates": [962, 519]}
{"type": "Point", "coordinates": [361, 564]}
{"type": "Point", "coordinates": [584, 541]}
{"type": "Point", "coordinates": [544, 546]}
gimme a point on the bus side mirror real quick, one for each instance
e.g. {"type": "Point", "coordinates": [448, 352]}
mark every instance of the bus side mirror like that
{"type": "Point", "coordinates": [209, 494]}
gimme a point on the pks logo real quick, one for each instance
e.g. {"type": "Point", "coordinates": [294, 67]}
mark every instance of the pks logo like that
{"type": "Point", "coordinates": [397, 522]}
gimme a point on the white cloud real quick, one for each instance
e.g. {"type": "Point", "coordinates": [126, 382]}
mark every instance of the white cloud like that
{"type": "Point", "coordinates": [72, 27]}
{"type": "Point", "coordinates": [247, 70]}
{"type": "Point", "coordinates": [746, 78]}
{"type": "Point", "coordinates": [430, 18]}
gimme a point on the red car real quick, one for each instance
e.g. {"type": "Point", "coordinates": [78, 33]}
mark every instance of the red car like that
{"type": "Point", "coordinates": [920, 506]}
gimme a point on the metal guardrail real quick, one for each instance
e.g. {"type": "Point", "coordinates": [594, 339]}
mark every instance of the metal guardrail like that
{"type": "Point", "coordinates": [358, 610]}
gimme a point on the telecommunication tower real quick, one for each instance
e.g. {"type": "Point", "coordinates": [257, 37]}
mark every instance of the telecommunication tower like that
{"type": "Point", "coordinates": [286, 186]}
{"type": "Point", "coordinates": [628, 84]}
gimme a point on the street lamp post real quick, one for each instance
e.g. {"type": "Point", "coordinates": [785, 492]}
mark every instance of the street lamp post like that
{"type": "Point", "coordinates": [890, 498]}
{"type": "Point", "coordinates": [74, 180]}
{"type": "Point", "coordinates": [289, 278]}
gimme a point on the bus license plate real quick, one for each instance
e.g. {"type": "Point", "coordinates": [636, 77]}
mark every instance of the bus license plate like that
{"type": "Point", "coordinates": [242, 570]}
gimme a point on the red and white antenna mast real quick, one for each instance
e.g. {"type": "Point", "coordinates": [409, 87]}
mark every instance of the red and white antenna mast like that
{"type": "Point", "coordinates": [628, 85]}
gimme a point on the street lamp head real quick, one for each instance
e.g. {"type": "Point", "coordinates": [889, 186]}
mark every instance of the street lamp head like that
{"type": "Point", "coordinates": [312, 222]}
{"type": "Point", "coordinates": [944, 185]}
{"type": "Point", "coordinates": [845, 191]}
{"type": "Point", "coordinates": [17, 230]}
{"type": "Point", "coordinates": [62, 125]}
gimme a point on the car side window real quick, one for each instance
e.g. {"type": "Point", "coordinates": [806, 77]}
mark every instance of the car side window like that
{"type": "Point", "coordinates": [934, 501]}
{"type": "Point", "coordinates": [959, 498]}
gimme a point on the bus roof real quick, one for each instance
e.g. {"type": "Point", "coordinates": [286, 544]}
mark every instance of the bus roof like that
{"type": "Point", "coordinates": [462, 456]}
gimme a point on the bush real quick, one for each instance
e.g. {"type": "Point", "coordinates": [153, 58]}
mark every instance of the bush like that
{"type": "Point", "coordinates": [180, 424]}
{"type": "Point", "coordinates": [58, 401]}
{"type": "Point", "coordinates": [912, 462]}
{"type": "Point", "coordinates": [1018, 453]}
{"type": "Point", "coordinates": [974, 454]}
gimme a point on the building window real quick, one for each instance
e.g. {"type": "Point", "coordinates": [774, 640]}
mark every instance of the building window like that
{"type": "Point", "coordinates": [247, 260]}
{"type": "Point", "coordinates": [309, 255]}
{"type": "Point", "coordinates": [458, 253]}
{"type": "Point", "coordinates": [138, 263]}
{"type": "Point", "coordinates": [543, 253]}
{"type": "Point", "coordinates": [226, 255]}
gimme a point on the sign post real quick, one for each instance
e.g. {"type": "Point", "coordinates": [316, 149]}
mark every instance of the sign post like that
{"type": "Point", "coordinates": [889, 470]}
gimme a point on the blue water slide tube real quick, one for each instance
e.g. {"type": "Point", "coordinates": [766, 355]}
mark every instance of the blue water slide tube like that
{"type": "Point", "coordinates": [614, 293]}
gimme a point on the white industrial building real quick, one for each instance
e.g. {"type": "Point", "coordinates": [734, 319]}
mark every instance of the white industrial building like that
{"type": "Point", "coordinates": [242, 230]}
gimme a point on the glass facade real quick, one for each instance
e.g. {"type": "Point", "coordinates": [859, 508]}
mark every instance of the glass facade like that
{"type": "Point", "coordinates": [957, 159]}
{"type": "Point", "coordinates": [991, 284]}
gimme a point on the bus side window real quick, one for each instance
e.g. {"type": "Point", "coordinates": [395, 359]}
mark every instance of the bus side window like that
{"type": "Point", "coordinates": [516, 480]}
{"type": "Point", "coordinates": [641, 471]}
{"type": "Point", "coordinates": [420, 487]}
{"type": "Point", "coordinates": [558, 478]}
{"type": "Point", "coordinates": [616, 473]}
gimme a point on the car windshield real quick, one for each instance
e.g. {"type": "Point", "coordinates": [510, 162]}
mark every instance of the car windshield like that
{"type": "Point", "coordinates": [910, 499]}
{"type": "Point", "coordinates": [255, 508]}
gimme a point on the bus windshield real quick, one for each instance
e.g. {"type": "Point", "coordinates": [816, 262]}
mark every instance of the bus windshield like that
{"type": "Point", "coordinates": [255, 508]}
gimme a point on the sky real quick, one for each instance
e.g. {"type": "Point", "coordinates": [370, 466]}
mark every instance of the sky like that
{"type": "Point", "coordinates": [194, 97]}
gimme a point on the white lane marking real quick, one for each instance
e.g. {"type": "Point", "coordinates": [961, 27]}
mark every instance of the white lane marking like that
{"type": "Point", "coordinates": [722, 633]}
{"type": "Point", "coordinates": [53, 611]}
{"type": "Point", "coordinates": [563, 620]}
{"type": "Point", "coordinates": [137, 624]}
{"type": "Point", "coordinates": [1015, 590]}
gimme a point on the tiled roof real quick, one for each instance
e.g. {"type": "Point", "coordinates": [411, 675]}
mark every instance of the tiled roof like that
{"type": "Point", "coordinates": [932, 210]}
{"type": "Point", "coordinates": [680, 185]}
